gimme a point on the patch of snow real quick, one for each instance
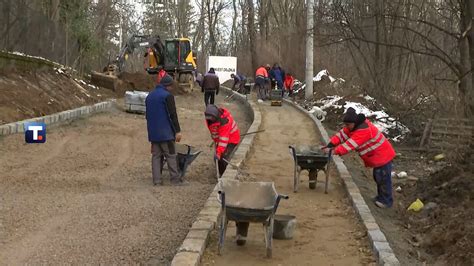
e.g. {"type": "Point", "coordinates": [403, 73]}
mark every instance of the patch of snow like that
{"type": "Point", "coordinates": [329, 101]}
{"type": "Point", "coordinates": [322, 73]}
{"type": "Point", "coordinates": [318, 113]}
{"type": "Point", "coordinates": [380, 119]}
{"type": "Point", "coordinates": [368, 98]}
{"type": "Point", "coordinates": [32, 56]}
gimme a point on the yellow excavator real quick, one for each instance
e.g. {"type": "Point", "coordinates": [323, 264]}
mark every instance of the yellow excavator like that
{"type": "Point", "coordinates": [175, 56]}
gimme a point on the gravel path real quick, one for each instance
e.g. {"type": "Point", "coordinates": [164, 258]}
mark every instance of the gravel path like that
{"type": "Point", "coordinates": [328, 232]}
{"type": "Point", "coordinates": [86, 195]}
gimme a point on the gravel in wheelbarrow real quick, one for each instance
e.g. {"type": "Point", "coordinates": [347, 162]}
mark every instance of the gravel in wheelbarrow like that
{"type": "Point", "coordinates": [248, 202]}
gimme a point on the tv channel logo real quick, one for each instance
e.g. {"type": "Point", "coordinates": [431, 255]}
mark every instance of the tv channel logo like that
{"type": "Point", "coordinates": [35, 132]}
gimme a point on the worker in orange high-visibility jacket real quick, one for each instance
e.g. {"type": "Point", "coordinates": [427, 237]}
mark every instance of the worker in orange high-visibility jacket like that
{"type": "Point", "coordinates": [360, 135]}
{"type": "Point", "coordinates": [225, 133]}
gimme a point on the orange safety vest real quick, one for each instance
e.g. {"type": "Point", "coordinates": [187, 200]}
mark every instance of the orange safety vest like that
{"type": "Point", "coordinates": [224, 131]}
{"type": "Point", "coordinates": [261, 71]}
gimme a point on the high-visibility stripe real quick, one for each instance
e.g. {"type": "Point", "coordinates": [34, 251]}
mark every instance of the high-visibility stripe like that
{"type": "Point", "coordinates": [372, 140]}
{"type": "Point", "coordinates": [224, 138]}
{"type": "Point", "coordinates": [222, 144]}
{"type": "Point", "coordinates": [234, 129]}
{"type": "Point", "coordinates": [353, 143]}
{"type": "Point", "coordinates": [373, 147]}
{"type": "Point", "coordinates": [346, 146]}
{"type": "Point", "coordinates": [343, 135]}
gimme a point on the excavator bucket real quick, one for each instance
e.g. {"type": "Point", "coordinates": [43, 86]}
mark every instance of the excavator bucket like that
{"type": "Point", "coordinates": [104, 80]}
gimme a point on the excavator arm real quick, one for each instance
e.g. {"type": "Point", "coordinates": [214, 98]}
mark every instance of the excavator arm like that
{"type": "Point", "coordinates": [154, 49]}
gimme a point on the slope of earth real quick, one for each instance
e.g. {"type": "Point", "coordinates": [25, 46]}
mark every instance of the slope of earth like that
{"type": "Point", "coordinates": [86, 195]}
{"type": "Point", "coordinates": [28, 94]}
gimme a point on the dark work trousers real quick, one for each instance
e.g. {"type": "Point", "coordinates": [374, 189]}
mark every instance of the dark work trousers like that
{"type": "Point", "coordinates": [226, 155]}
{"type": "Point", "coordinates": [260, 87]}
{"type": "Point", "coordinates": [209, 96]}
{"type": "Point", "coordinates": [242, 229]}
{"type": "Point", "coordinates": [162, 150]}
{"type": "Point", "coordinates": [383, 178]}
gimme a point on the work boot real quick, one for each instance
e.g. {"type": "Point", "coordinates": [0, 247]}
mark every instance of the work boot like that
{"type": "Point", "coordinates": [159, 183]}
{"type": "Point", "coordinates": [380, 205]}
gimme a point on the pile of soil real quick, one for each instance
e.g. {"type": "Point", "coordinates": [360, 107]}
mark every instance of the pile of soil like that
{"type": "Point", "coordinates": [141, 81]}
{"type": "Point", "coordinates": [444, 229]}
{"type": "Point", "coordinates": [28, 94]}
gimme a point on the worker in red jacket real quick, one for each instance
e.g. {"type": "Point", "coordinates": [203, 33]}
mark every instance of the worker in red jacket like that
{"type": "Point", "coordinates": [361, 135]}
{"type": "Point", "coordinates": [224, 132]}
{"type": "Point", "coordinates": [289, 83]}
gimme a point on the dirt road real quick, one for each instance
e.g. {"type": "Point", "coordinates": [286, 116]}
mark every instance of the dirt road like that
{"type": "Point", "coordinates": [86, 195]}
{"type": "Point", "coordinates": [327, 233]}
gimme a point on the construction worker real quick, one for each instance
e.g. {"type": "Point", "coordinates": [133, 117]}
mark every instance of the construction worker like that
{"type": "Point", "coordinates": [224, 132]}
{"type": "Point", "coordinates": [199, 78]}
{"type": "Point", "coordinates": [261, 78]}
{"type": "Point", "coordinates": [361, 135]}
{"type": "Point", "coordinates": [289, 83]}
{"type": "Point", "coordinates": [163, 131]}
{"type": "Point", "coordinates": [239, 82]}
{"type": "Point", "coordinates": [210, 86]}
{"type": "Point", "coordinates": [161, 74]}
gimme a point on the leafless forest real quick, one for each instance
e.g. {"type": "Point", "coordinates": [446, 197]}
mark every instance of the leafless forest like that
{"type": "Point", "coordinates": [402, 52]}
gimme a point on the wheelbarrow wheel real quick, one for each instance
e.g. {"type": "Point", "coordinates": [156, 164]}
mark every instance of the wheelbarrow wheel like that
{"type": "Point", "coordinates": [313, 178]}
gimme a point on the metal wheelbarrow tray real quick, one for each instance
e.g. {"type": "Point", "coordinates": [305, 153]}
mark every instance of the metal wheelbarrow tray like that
{"type": "Point", "coordinates": [186, 154]}
{"type": "Point", "coordinates": [253, 202]}
{"type": "Point", "coordinates": [313, 160]}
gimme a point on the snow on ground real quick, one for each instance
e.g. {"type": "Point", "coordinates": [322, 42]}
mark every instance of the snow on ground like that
{"type": "Point", "coordinates": [380, 118]}
{"type": "Point", "coordinates": [321, 74]}
{"type": "Point", "coordinates": [32, 56]}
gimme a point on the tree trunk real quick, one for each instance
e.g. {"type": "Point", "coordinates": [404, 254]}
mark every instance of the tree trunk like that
{"type": "Point", "coordinates": [252, 33]}
{"type": "Point", "coordinates": [469, 15]}
{"type": "Point", "coordinates": [465, 82]}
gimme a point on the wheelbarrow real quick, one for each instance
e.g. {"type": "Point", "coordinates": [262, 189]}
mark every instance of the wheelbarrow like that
{"type": "Point", "coordinates": [313, 160]}
{"type": "Point", "coordinates": [186, 154]}
{"type": "Point", "coordinates": [250, 202]}
{"type": "Point", "coordinates": [276, 97]}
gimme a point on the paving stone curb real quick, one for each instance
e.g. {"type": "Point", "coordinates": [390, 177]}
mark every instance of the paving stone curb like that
{"type": "Point", "coordinates": [57, 118]}
{"type": "Point", "coordinates": [380, 246]}
{"type": "Point", "coordinates": [191, 250]}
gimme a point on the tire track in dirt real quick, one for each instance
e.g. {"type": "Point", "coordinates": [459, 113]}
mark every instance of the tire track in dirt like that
{"type": "Point", "coordinates": [328, 232]}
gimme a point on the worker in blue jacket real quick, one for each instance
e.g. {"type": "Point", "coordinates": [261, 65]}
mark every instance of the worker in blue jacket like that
{"type": "Point", "coordinates": [163, 131]}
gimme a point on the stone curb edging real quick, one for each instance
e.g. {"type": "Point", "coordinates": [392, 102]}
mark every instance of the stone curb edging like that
{"type": "Point", "coordinates": [57, 118]}
{"type": "Point", "coordinates": [380, 245]}
{"type": "Point", "coordinates": [193, 246]}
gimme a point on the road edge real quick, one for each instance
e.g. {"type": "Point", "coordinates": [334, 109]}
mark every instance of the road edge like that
{"type": "Point", "coordinates": [57, 118]}
{"type": "Point", "coordinates": [380, 246]}
{"type": "Point", "coordinates": [191, 250]}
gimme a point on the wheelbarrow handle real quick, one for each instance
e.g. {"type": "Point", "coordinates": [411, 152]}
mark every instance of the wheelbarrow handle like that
{"type": "Point", "coordinates": [283, 196]}
{"type": "Point", "coordinates": [222, 195]}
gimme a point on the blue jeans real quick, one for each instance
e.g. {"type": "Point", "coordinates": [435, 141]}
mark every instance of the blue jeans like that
{"type": "Point", "coordinates": [383, 178]}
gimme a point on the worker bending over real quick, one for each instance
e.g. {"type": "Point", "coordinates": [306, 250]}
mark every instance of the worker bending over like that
{"type": "Point", "coordinates": [225, 133]}
{"type": "Point", "coordinates": [361, 135]}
